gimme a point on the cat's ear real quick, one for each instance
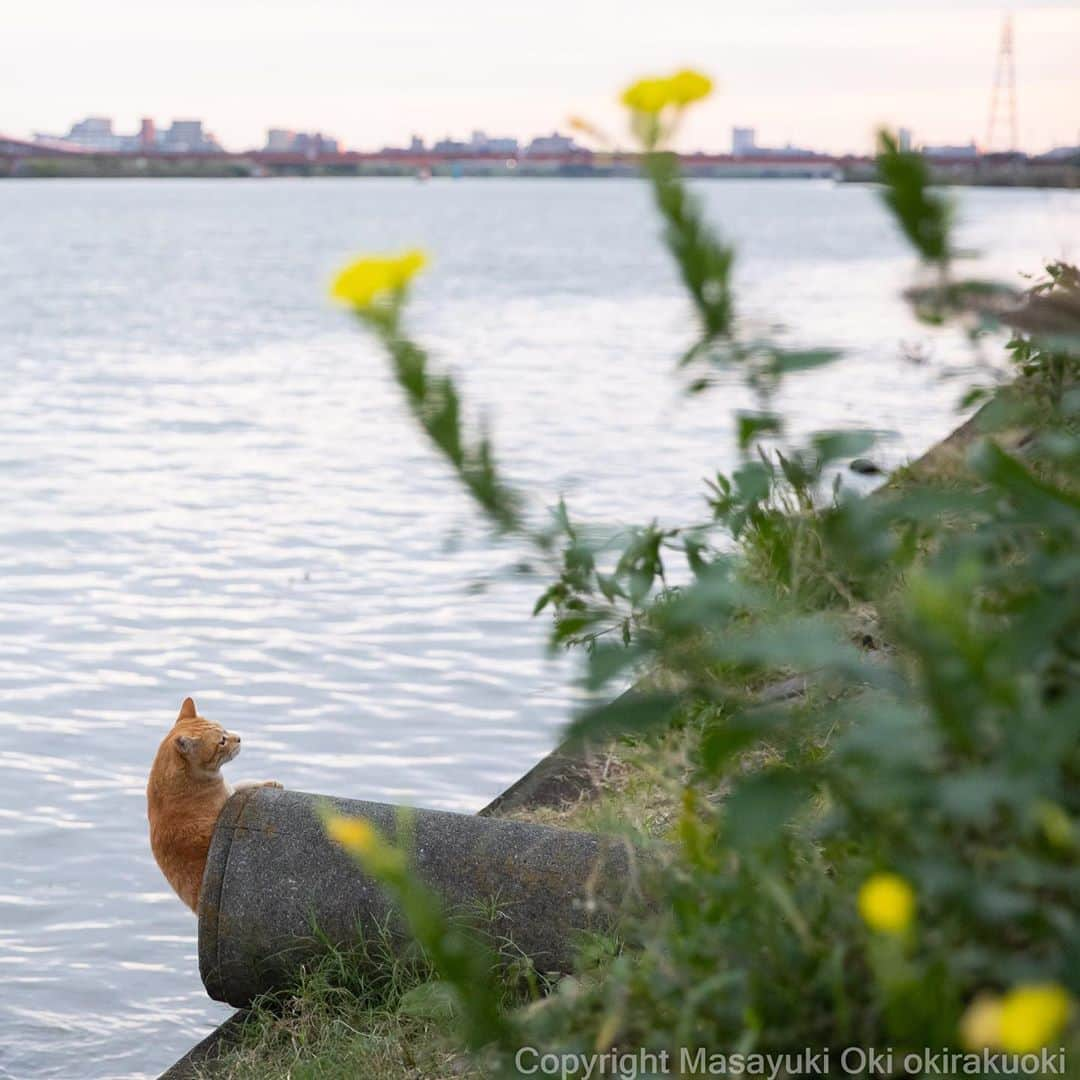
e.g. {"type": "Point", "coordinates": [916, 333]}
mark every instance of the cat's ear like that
{"type": "Point", "coordinates": [186, 744]}
{"type": "Point", "coordinates": [187, 710]}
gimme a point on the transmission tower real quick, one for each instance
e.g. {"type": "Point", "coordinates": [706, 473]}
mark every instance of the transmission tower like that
{"type": "Point", "coordinates": [1003, 94]}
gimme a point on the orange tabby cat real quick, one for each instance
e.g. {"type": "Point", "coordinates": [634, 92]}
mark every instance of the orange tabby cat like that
{"type": "Point", "coordinates": [185, 794]}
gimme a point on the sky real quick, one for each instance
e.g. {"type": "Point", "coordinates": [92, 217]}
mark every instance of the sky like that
{"type": "Point", "coordinates": [818, 73]}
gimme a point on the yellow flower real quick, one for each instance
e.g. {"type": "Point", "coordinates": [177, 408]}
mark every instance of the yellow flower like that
{"type": "Point", "coordinates": [887, 903]}
{"type": "Point", "coordinates": [654, 95]}
{"type": "Point", "coordinates": [355, 834]}
{"type": "Point", "coordinates": [647, 95]}
{"type": "Point", "coordinates": [981, 1023]}
{"type": "Point", "coordinates": [689, 86]}
{"type": "Point", "coordinates": [366, 281]}
{"type": "Point", "coordinates": [1032, 1015]}
{"type": "Point", "coordinates": [360, 838]}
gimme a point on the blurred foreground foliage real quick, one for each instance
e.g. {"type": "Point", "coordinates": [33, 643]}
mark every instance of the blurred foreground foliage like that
{"type": "Point", "coordinates": [892, 858]}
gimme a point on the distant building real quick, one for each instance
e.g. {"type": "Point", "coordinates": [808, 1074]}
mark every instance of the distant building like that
{"type": "Point", "coordinates": [785, 151]}
{"type": "Point", "coordinates": [903, 140]}
{"type": "Point", "coordinates": [451, 146]}
{"type": "Point", "coordinates": [96, 133]}
{"type": "Point", "coordinates": [479, 143]}
{"type": "Point", "coordinates": [416, 146]}
{"type": "Point", "coordinates": [552, 144]}
{"type": "Point", "coordinates": [743, 141]}
{"type": "Point", "coordinates": [280, 139]}
{"type": "Point", "coordinates": [147, 134]}
{"type": "Point", "coordinates": [744, 144]}
{"type": "Point", "coordinates": [1061, 153]}
{"type": "Point", "coordinates": [187, 137]}
{"type": "Point", "coordinates": [93, 133]}
{"type": "Point", "coordinates": [315, 144]}
{"type": "Point", "coordinates": [482, 144]}
{"type": "Point", "coordinates": [968, 150]}
{"type": "Point", "coordinates": [310, 144]}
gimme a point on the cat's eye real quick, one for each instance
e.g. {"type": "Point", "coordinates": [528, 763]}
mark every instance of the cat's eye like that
{"type": "Point", "coordinates": [222, 740]}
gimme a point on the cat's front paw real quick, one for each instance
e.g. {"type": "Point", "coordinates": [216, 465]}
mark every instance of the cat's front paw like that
{"type": "Point", "coordinates": [247, 785]}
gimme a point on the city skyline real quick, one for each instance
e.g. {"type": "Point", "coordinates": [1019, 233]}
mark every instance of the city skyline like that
{"type": "Point", "coordinates": [824, 79]}
{"type": "Point", "coordinates": [98, 134]}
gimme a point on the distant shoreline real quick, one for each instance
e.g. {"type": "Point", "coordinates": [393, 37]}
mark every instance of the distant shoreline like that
{"type": "Point", "coordinates": [988, 171]}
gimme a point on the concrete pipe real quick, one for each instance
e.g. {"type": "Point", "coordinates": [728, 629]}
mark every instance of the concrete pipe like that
{"type": "Point", "coordinates": [272, 875]}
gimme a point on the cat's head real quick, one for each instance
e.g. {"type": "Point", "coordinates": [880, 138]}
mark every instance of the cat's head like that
{"type": "Point", "coordinates": [202, 744]}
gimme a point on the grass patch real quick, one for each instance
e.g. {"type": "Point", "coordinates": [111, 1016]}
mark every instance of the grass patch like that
{"type": "Point", "coordinates": [332, 1036]}
{"type": "Point", "coordinates": [371, 1010]}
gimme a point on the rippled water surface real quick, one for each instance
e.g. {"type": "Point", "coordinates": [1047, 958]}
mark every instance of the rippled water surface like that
{"type": "Point", "coordinates": [210, 487]}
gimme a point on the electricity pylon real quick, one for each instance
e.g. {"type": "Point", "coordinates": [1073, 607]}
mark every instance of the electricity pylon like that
{"type": "Point", "coordinates": [1004, 87]}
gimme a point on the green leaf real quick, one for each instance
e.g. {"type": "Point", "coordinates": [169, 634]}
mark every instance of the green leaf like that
{"type": "Point", "coordinates": [607, 661]}
{"type": "Point", "coordinates": [833, 445]}
{"type": "Point", "coordinates": [727, 735]}
{"type": "Point", "coordinates": [634, 713]}
{"type": "Point", "coordinates": [753, 482]}
{"type": "Point", "coordinates": [704, 262]}
{"type": "Point", "coordinates": [1041, 501]}
{"type": "Point", "coordinates": [753, 425]}
{"type": "Point", "coordinates": [762, 805]}
{"type": "Point", "coordinates": [783, 361]}
{"type": "Point", "coordinates": [922, 215]}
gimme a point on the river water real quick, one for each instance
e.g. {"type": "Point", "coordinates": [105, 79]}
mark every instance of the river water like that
{"type": "Point", "coordinates": [210, 487]}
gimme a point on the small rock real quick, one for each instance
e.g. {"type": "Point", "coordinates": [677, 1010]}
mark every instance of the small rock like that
{"type": "Point", "coordinates": [864, 466]}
